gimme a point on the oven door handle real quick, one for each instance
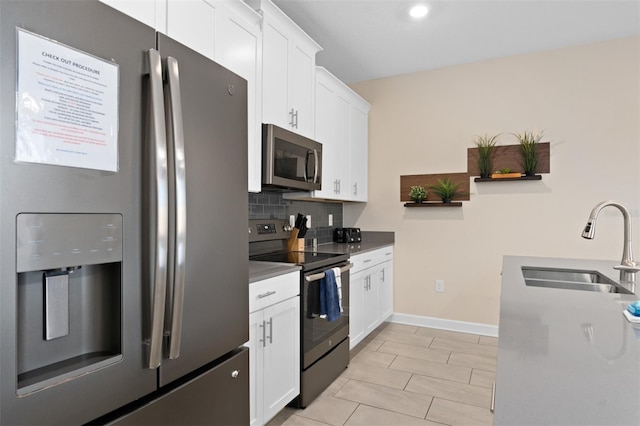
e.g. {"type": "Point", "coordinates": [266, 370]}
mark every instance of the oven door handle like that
{"type": "Point", "coordinates": [320, 275]}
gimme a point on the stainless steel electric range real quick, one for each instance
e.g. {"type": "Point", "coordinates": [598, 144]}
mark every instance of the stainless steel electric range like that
{"type": "Point", "coordinates": [324, 345]}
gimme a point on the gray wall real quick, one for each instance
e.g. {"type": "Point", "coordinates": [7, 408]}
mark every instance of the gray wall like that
{"type": "Point", "coordinates": [271, 205]}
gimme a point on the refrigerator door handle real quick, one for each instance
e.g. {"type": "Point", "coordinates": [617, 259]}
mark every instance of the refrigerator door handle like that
{"type": "Point", "coordinates": [160, 208]}
{"type": "Point", "coordinates": [175, 113]}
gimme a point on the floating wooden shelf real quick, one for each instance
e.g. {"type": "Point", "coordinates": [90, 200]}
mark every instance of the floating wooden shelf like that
{"type": "Point", "coordinates": [509, 156]}
{"type": "Point", "coordinates": [406, 182]}
{"type": "Point", "coordinates": [434, 204]}
{"type": "Point", "coordinates": [534, 177]}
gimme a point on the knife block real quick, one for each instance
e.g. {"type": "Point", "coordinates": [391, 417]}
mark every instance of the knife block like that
{"type": "Point", "coordinates": [295, 243]}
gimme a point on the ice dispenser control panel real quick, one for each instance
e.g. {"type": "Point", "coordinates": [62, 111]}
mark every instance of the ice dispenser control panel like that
{"type": "Point", "coordinates": [52, 240]}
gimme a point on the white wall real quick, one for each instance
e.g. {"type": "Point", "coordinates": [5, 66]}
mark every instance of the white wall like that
{"type": "Point", "coordinates": [586, 99]}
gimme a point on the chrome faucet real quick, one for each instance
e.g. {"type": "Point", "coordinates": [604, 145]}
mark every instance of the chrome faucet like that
{"type": "Point", "coordinates": [627, 267]}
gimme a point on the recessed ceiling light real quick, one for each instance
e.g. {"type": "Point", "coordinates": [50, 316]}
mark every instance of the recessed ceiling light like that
{"type": "Point", "coordinates": [418, 11]}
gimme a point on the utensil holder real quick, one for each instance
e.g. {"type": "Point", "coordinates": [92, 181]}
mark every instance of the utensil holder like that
{"type": "Point", "coordinates": [295, 243]}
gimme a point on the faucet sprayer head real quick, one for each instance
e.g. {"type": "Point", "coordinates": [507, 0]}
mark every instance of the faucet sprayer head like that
{"type": "Point", "coordinates": [589, 230]}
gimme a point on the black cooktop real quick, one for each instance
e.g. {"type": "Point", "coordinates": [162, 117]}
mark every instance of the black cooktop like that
{"type": "Point", "coordinates": [307, 259]}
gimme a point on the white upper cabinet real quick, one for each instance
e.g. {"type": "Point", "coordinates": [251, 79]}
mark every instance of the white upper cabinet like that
{"type": "Point", "coordinates": [284, 85]}
{"type": "Point", "coordinates": [332, 131]}
{"type": "Point", "coordinates": [341, 118]}
{"type": "Point", "coordinates": [288, 70]}
{"type": "Point", "coordinates": [238, 47]}
{"type": "Point", "coordinates": [226, 31]}
{"type": "Point", "coordinates": [150, 12]}
{"type": "Point", "coordinates": [301, 90]}
{"type": "Point", "coordinates": [359, 149]}
{"type": "Point", "coordinates": [192, 23]}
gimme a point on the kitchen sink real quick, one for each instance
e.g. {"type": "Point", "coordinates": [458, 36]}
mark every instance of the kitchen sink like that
{"type": "Point", "coordinates": [571, 279]}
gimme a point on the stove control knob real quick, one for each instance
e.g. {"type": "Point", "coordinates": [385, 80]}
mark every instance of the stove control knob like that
{"type": "Point", "coordinates": [286, 228]}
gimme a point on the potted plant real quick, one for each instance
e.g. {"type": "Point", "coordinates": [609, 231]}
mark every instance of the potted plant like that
{"type": "Point", "coordinates": [418, 194]}
{"type": "Point", "coordinates": [529, 150]}
{"type": "Point", "coordinates": [485, 145]}
{"type": "Point", "coordinates": [446, 189]}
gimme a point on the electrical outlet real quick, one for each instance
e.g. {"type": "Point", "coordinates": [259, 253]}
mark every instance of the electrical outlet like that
{"type": "Point", "coordinates": [330, 220]}
{"type": "Point", "coordinates": [309, 221]}
{"type": "Point", "coordinates": [440, 286]}
{"type": "Point", "coordinates": [292, 220]}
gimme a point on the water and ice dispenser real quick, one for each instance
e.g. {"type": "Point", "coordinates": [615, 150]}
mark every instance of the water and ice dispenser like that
{"type": "Point", "coordinates": [69, 282]}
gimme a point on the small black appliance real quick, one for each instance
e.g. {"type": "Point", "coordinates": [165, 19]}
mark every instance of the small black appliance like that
{"type": "Point", "coordinates": [347, 235]}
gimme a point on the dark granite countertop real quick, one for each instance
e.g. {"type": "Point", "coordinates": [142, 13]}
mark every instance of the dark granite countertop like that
{"type": "Point", "coordinates": [259, 271]}
{"type": "Point", "coordinates": [371, 240]}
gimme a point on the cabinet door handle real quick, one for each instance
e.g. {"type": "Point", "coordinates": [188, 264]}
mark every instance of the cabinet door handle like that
{"type": "Point", "coordinates": [493, 397]}
{"type": "Point", "coordinates": [366, 261]}
{"type": "Point", "coordinates": [291, 123]}
{"type": "Point", "coordinates": [264, 335]}
{"type": "Point", "coordinates": [382, 275]}
{"type": "Point", "coordinates": [267, 294]}
{"type": "Point", "coordinates": [355, 188]}
{"type": "Point", "coordinates": [270, 330]}
{"type": "Point", "coordinates": [235, 374]}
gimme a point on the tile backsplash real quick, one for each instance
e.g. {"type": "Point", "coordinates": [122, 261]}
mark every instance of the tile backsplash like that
{"type": "Point", "coordinates": [271, 205]}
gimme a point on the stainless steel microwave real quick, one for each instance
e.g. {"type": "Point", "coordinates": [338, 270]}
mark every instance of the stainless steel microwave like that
{"type": "Point", "coordinates": [290, 161]}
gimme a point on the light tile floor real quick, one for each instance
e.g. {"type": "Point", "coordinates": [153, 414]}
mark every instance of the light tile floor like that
{"type": "Point", "coordinates": [408, 375]}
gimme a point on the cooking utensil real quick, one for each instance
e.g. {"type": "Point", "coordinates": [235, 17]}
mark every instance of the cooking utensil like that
{"type": "Point", "coordinates": [303, 228]}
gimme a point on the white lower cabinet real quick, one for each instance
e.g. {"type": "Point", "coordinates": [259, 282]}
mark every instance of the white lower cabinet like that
{"type": "Point", "coordinates": [274, 345]}
{"type": "Point", "coordinates": [371, 292]}
{"type": "Point", "coordinates": [385, 281]}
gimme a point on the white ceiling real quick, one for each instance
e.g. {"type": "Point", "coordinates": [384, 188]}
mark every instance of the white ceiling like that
{"type": "Point", "coordinates": [368, 39]}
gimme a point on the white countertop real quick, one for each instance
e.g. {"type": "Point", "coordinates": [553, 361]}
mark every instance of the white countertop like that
{"type": "Point", "coordinates": [565, 357]}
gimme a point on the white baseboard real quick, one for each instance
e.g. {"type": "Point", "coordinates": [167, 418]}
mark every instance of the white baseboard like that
{"type": "Point", "coordinates": [446, 324]}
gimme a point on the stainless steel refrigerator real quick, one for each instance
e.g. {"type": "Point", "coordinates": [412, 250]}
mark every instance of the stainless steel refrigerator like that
{"type": "Point", "coordinates": [123, 213]}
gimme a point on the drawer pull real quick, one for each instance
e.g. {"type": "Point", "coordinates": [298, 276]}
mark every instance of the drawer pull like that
{"type": "Point", "coordinates": [366, 261]}
{"type": "Point", "coordinates": [267, 294]}
{"type": "Point", "coordinates": [235, 374]}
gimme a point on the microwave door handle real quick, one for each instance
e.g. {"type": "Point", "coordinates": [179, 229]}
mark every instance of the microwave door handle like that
{"type": "Point", "coordinates": [175, 112]}
{"type": "Point", "coordinates": [306, 165]}
{"type": "Point", "coordinates": [159, 208]}
{"type": "Point", "coordinates": [315, 170]}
